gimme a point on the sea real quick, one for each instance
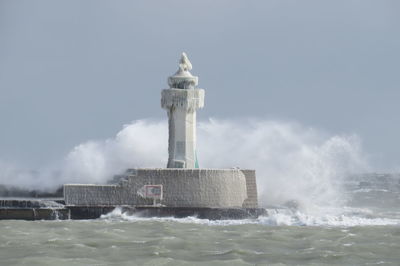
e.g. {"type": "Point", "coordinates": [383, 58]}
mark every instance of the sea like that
{"type": "Point", "coordinates": [364, 230]}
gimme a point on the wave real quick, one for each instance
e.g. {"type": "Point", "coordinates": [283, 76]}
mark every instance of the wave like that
{"type": "Point", "coordinates": [368, 190]}
{"type": "Point", "coordinates": [275, 217]}
{"type": "Point", "coordinates": [293, 162]}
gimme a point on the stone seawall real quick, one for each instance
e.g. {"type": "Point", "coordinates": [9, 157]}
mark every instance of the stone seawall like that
{"type": "Point", "coordinates": [95, 212]}
{"type": "Point", "coordinates": [210, 188]}
{"type": "Point", "coordinates": [251, 185]}
{"type": "Point", "coordinates": [82, 194]}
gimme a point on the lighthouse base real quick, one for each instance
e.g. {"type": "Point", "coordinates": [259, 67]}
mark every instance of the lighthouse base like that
{"type": "Point", "coordinates": [27, 209]}
{"type": "Point", "coordinates": [188, 188]}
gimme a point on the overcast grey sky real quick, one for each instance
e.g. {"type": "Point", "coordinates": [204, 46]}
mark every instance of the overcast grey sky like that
{"type": "Point", "coordinates": [71, 71]}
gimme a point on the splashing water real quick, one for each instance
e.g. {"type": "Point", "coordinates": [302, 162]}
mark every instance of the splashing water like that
{"type": "Point", "coordinates": [282, 217]}
{"type": "Point", "coordinates": [294, 163]}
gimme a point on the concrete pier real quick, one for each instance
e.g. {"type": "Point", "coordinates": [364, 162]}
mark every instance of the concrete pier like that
{"type": "Point", "coordinates": [93, 212]}
{"type": "Point", "coordinates": [25, 209]}
{"type": "Point", "coordinates": [194, 188]}
{"type": "Point", "coordinates": [34, 214]}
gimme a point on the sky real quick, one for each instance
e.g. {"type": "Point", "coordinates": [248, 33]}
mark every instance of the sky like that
{"type": "Point", "coordinates": [72, 71]}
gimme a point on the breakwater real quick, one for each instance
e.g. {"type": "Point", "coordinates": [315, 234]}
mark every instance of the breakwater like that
{"type": "Point", "coordinates": [53, 209]}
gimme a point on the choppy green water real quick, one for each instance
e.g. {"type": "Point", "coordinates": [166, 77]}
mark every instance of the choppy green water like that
{"type": "Point", "coordinates": [172, 242]}
{"type": "Point", "coordinates": [364, 231]}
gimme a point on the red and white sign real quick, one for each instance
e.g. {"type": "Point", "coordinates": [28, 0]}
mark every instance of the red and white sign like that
{"type": "Point", "coordinates": [151, 192]}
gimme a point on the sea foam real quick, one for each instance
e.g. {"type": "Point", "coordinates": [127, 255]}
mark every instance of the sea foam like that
{"type": "Point", "coordinates": [282, 217]}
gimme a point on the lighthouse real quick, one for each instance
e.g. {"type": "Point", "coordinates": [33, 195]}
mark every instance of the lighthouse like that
{"type": "Point", "coordinates": [182, 188]}
{"type": "Point", "coordinates": [181, 101]}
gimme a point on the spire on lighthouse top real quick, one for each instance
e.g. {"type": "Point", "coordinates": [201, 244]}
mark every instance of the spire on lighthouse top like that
{"type": "Point", "coordinates": [184, 64]}
{"type": "Point", "coordinates": [183, 79]}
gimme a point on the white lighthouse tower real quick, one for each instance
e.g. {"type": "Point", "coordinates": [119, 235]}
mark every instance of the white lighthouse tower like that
{"type": "Point", "coordinates": [181, 101]}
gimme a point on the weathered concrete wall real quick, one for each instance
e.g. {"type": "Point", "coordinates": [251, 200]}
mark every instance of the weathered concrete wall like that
{"type": "Point", "coordinates": [82, 194]}
{"type": "Point", "coordinates": [251, 184]}
{"type": "Point", "coordinates": [213, 188]}
{"type": "Point", "coordinates": [194, 187]}
{"type": "Point", "coordinates": [34, 214]}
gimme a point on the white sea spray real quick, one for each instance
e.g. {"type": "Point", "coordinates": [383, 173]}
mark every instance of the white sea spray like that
{"type": "Point", "coordinates": [294, 163]}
